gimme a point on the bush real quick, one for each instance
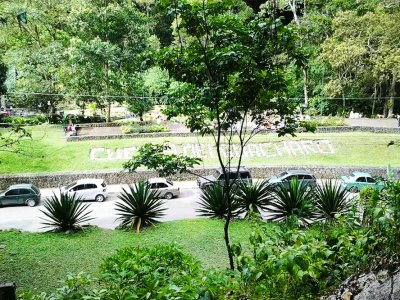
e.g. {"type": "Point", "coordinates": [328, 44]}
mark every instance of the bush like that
{"type": "Point", "coordinates": [139, 206]}
{"type": "Point", "coordinates": [160, 272]}
{"type": "Point", "coordinates": [309, 126]}
{"type": "Point", "coordinates": [330, 121]}
{"type": "Point", "coordinates": [36, 120]}
{"type": "Point", "coordinates": [213, 202]}
{"type": "Point", "coordinates": [65, 213]}
{"type": "Point", "coordinates": [79, 119]}
{"type": "Point", "coordinates": [254, 197]}
{"type": "Point", "coordinates": [298, 263]}
{"type": "Point", "coordinates": [143, 129]}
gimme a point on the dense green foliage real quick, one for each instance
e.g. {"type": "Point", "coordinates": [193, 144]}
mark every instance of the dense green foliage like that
{"type": "Point", "coordinates": [347, 52]}
{"type": "Point", "coordinates": [284, 261]}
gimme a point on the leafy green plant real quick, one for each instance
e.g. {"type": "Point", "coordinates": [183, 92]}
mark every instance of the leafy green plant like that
{"type": "Point", "coordinates": [254, 197]}
{"type": "Point", "coordinates": [127, 129]}
{"type": "Point", "coordinates": [65, 212]}
{"type": "Point", "coordinates": [331, 199]}
{"type": "Point", "coordinates": [214, 204]}
{"type": "Point", "coordinates": [159, 272]}
{"type": "Point", "coordinates": [140, 206]}
{"type": "Point", "coordinates": [294, 200]}
{"type": "Point", "coordinates": [330, 121]}
{"type": "Point", "coordinates": [309, 126]}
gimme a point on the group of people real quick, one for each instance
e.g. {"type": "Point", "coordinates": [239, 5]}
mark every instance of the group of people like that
{"type": "Point", "coordinates": [71, 129]}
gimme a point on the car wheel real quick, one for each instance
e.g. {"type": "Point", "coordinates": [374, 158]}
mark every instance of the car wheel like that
{"type": "Point", "coordinates": [353, 189]}
{"type": "Point", "coordinates": [100, 198]}
{"type": "Point", "coordinates": [31, 202]}
{"type": "Point", "coordinates": [168, 196]}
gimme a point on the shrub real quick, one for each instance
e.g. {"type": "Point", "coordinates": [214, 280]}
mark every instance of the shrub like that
{"type": "Point", "coordinates": [330, 200]}
{"type": "Point", "coordinates": [36, 120]}
{"type": "Point", "coordinates": [254, 197]}
{"type": "Point", "coordinates": [143, 129]}
{"type": "Point", "coordinates": [213, 202]}
{"type": "Point", "coordinates": [160, 272]}
{"type": "Point", "coordinates": [293, 201]}
{"type": "Point", "coordinates": [330, 121]}
{"type": "Point", "coordinates": [297, 263]}
{"type": "Point", "coordinates": [65, 213]}
{"type": "Point", "coordinates": [140, 206]}
{"type": "Point", "coordinates": [309, 126]}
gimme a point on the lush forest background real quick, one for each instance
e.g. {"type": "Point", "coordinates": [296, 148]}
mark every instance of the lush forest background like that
{"type": "Point", "coordinates": [97, 52]}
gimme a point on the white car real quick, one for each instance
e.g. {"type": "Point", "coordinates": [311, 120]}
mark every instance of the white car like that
{"type": "Point", "coordinates": [87, 189]}
{"type": "Point", "coordinates": [165, 188]}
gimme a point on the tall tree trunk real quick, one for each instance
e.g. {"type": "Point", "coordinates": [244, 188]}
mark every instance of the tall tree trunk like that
{"type": "Point", "coordinates": [392, 94]}
{"type": "Point", "coordinates": [293, 7]}
{"type": "Point", "coordinates": [108, 111]}
{"type": "Point", "coordinates": [305, 86]}
{"type": "Point", "coordinates": [374, 100]}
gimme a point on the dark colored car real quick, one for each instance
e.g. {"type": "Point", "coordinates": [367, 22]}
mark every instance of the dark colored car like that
{"type": "Point", "coordinates": [25, 193]}
{"type": "Point", "coordinates": [242, 176]}
{"type": "Point", "coordinates": [289, 175]}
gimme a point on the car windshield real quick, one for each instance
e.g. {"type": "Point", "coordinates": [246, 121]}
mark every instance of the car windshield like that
{"type": "Point", "coordinates": [70, 185]}
{"type": "Point", "coordinates": [170, 182]}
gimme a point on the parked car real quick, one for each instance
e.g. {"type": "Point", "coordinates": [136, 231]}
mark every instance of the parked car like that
{"type": "Point", "coordinates": [165, 188]}
{"type": "Point", "coordinates": [359, 180]}
{"type": "Point", "coordinates": [25, 193]}
{"type": "Point", "coordinates": [243, 175]}
{"type": "Point", "coordinates": [287, 176]}
{"type": "Point", "coordinates": [87, 189]}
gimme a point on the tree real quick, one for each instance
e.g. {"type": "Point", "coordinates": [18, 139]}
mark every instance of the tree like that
{"type": "Point", "coordinates": [232, 63]}
{"type": "Point", "coordinates": [111, 38]}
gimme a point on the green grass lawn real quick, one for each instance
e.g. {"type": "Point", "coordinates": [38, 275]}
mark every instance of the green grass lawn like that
{"type": "Point", "coordinates": [48, 151]}
{"type": "Point", "coordinates": [38, 261]}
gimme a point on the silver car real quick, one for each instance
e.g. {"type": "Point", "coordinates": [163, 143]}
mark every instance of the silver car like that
{"type": "Point", "coordinates": [164, 187]}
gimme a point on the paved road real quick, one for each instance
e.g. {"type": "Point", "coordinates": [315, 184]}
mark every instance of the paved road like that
{"type": "Point", "coordinates": [29, 218]}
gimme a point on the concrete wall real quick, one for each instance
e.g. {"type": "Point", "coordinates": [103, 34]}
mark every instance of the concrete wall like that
{"type": "Point", "coordinates": [48, 180]}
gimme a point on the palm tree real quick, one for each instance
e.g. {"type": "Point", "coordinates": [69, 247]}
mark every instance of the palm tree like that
{"type": "Point", "coordinates": [294, 200]}
{"type": "Point", "coordinates": [140, 206]}
{"type": "Point", "coordinates": [254, 197]}
{"type": "Point", "coordinates": [65, 212]}
{"type": "Point", "coordinates": [213, 202]}
{"type": "Point", "coordinates": [331, 199]}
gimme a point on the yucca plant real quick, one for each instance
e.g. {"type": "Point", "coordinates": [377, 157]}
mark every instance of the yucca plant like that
{"type": "Point", "coordinates": [65, 213]}
{"type": "Point", "coordinates": [214, 203]}
{"type": "Point", "coordinates": [294, 200]}
{"type": "Point", "coordinates": [254, 197]}
{"type": "Point", "coordinates": [140, 206]}
{"type": "Point", "coordinates": [331, 199]}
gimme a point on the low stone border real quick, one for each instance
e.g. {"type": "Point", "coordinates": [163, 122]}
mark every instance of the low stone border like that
{"type": "Point", "coordinates": [327, 129]}
{"type": "Point", "coordinates": [51, 180]}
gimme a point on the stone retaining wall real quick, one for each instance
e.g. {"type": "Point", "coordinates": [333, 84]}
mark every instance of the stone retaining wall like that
{"type": "Point", "coordinates": [187, 134]}
{"type": "Point", "coordinates": [49, 180]}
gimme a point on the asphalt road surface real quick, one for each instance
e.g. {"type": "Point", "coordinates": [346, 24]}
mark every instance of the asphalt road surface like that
{"type": "Point", "coordinates": [30, 218]}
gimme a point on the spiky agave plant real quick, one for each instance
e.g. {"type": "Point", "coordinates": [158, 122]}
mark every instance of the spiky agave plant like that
{"type": "Point", "coordinates": [254, 197]}
{"type": "Point", "coordinates": [65, 213]}
{"type": "Point", "coordinates": [331, 199]}
{"type": "Point", "coordinates": [294, 200]}
{"type": "Point", "coordinates": [140, 206]}
{"type": "Point", "coordinates": [214, 203]}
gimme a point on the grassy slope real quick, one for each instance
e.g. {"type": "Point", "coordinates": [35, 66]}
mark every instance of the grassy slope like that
{"type": "Point", "coordinates": [40, 260]}
{"type": "Point", "coordinates": [48, 151]}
